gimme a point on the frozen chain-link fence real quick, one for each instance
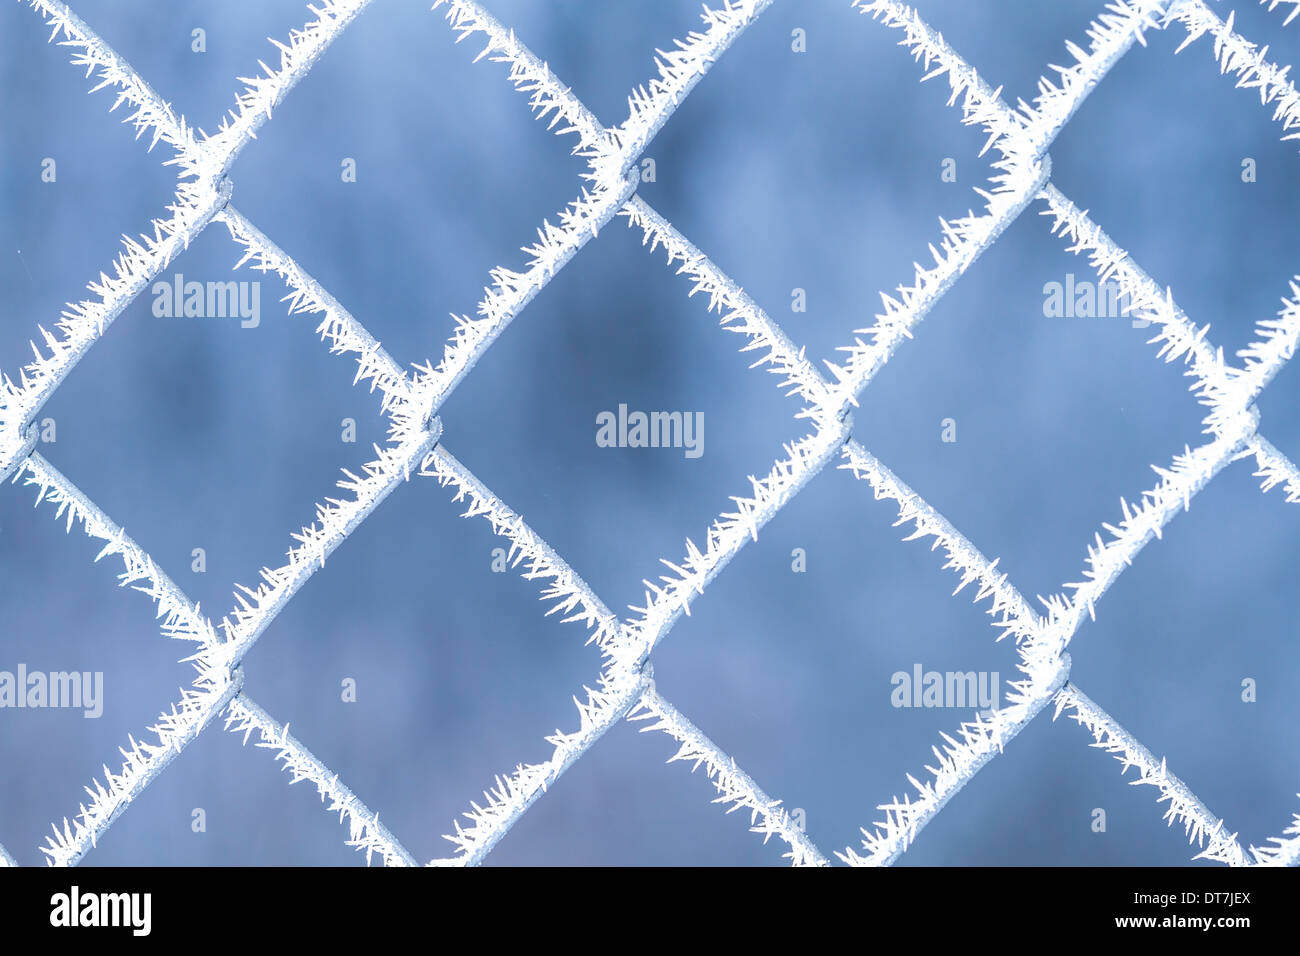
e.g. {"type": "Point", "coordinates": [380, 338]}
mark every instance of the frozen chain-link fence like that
{"type": "Point", "coordinates": [411, 400]}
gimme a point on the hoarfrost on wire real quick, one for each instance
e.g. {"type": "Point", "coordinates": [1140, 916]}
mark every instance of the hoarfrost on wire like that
{"type": "Point", "coordinates": [410, 399]}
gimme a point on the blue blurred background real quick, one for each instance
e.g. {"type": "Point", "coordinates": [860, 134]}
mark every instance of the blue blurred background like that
{"type": "Point", "coordinates": [819, 171]}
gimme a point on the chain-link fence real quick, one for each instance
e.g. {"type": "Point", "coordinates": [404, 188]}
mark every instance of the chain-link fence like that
{"type": "Point", "coordinates": [411, 402]}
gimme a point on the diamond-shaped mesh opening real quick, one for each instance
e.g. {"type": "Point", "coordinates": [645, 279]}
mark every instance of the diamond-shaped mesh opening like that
{"type": "Point", "coordinates": [199, 450]}
{"type": "Point", "coordinates": [1189, 176]}
{"type": "Point", "coordinates": [1230, 627]}
{"type": "Point", "coordinates": [832, 715]}
{"type": "Point", "coordinates": [403, 210]}
{"type": "Point", "coordinates": [454, 687]}
{"type": "Point", "coordinates": [70, 690]}
{"type": "Point", "coordinates": [72, 184]}
{"type": "Point", "coordinates": [1022, 418]}
{"type": "Point", "coordinates": [816, 178]}
{"type": "Point", "coordinates": [587, 383]}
